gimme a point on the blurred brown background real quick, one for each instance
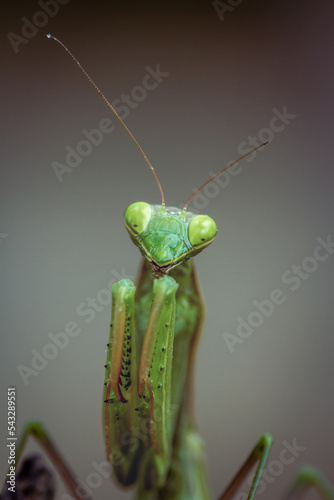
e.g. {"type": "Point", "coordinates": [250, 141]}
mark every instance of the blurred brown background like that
{"type": "Point", "coordinates": [65, 240]}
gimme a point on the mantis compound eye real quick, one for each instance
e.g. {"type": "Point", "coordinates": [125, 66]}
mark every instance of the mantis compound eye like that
{"type": "Point", "coordinates": [202, 231]}
{"type": "Point", "coordinates": [137, 216]}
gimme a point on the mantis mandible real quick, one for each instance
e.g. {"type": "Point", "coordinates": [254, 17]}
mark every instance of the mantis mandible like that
{"type": "Point", "coordinates": [150, 433]}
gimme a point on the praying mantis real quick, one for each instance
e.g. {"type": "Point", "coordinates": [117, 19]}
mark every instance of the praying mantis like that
{"type": "Point", "coordinates": [151, 438]}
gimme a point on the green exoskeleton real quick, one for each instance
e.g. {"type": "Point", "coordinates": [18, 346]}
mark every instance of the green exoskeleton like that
{"type": "Point", "coordinates": [150, 433]}
{"type": "Point", "coordinates": [147, 397]}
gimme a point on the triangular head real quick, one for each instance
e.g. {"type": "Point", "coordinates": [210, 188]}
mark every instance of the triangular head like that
{"type": "Point", "coordinates": [167, 236]}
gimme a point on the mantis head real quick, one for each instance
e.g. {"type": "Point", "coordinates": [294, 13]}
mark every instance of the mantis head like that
{"type": "Point", "coordinates": [167, 236]}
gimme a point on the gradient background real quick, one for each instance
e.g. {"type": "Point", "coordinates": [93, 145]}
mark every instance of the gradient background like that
{"type": "Point", "coordinates": [64, 239]}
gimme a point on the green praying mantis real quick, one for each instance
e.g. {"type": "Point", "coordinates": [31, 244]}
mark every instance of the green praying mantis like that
{"type": "Point", "coordinates": [149, 426]}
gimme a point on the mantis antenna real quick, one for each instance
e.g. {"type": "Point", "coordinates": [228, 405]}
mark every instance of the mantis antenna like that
{"type": "Point", "coordinates": [133, 137]}
{"type": "Point", "coordinates": [113, 110]}
{"type": "Point", "coordinates": [220, 172]}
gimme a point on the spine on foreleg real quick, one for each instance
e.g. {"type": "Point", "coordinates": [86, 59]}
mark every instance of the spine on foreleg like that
{"type": "Point", "coordinates": [121, 421]}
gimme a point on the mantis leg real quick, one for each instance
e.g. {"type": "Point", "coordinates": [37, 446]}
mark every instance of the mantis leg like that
{"type": "Point", "coordinates": [309, 477]}
{"type": "Point", "coordinates": [186, 479]}
{"type": "Point", "coordinates": [306, 478]}
{"type": "Point", "coordinates": [36, 430]}
{"type": "Point", "coordinates": [259, 454]}
{"type": "Point", "coordinates": [139, 415]}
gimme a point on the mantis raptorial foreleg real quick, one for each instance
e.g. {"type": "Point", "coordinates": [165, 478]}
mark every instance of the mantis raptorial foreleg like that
{"type": "Point", "coordinates": [149, 398]}
{"type": "Point", "coordinates": [141, 438]}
